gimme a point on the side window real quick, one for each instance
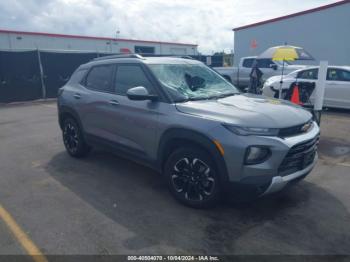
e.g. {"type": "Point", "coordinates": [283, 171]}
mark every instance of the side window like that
{"type": "Point", "coordinates": [144, 50]}
{"type": "Point", "coordinates": [264, 63]}
{"type": "Point", "coordinates": [338, 75]}
{"type": "Point", "coordinates": [332, 74]}
{"type": "Point", "coordinates": [345, 75]}
{"type": "Point", "coordinates": [100, 78]}
{"type": "Point", "coordinates": [308, 74]}
{"type": "Point", "coordinates": [248, 62]}
{"type": "Point", "coordinates": [129, 76]}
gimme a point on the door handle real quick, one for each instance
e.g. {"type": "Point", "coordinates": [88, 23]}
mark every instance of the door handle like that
{"type": "Point", "coordinates": [77, 96]}
{"type": "Point", "coordinates": [114, 102]}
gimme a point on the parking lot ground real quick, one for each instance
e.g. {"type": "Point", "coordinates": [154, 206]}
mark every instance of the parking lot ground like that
{"type": "Point", "coordinates": [8, 244]}
{"type": "Point", "coordinates": [104, 204]}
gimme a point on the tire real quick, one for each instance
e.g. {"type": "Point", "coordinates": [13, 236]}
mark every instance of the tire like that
{"type": "Point", "coordinates": [192, 177]}
{"type": "Point", "coordinates": [73, 139]}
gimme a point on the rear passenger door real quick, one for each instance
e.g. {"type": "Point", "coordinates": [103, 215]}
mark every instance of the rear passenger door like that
{"type": "Point", "coordinates": [96, 107]}
{"type": "Point", "coordinates": [136, 121]}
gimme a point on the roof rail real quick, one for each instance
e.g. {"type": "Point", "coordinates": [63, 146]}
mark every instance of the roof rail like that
{"type": "Point", "coordinates": [174, 56]}
{"type": "Point", "coordinates": [118, 56]}
{"type": "Point", "coordinates": [186, 57]}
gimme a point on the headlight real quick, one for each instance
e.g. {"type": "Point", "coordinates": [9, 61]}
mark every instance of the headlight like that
{"type": "Point", "coordinates": [250, 131]}
{"type": "Point", "coordinates": [256, 155]}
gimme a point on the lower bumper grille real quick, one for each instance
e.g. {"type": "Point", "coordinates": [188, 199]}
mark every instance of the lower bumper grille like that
{"type": "Point", "coordinates": [299, 157]}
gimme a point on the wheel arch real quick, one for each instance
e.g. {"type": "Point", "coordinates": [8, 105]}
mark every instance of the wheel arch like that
{"type": "Point", "coordinates": [177, 137]}
{"type": "Point", "coordinates": [65, 112]}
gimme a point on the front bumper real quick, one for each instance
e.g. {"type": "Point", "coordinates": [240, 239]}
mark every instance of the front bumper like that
{"type": "Point", "coordinates": [279, 182]}
{"type": "Point", "coordinates": [235, 153]}
{"type": "Point", "coordinates": [269, 176]}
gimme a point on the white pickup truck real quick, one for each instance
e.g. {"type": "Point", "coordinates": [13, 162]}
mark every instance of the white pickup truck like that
{"type": "Point", "coordinates": [239, 76]}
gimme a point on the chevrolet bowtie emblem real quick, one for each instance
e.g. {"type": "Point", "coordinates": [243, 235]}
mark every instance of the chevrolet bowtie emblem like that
{"type": "Point", "coordinates": [306, 127]}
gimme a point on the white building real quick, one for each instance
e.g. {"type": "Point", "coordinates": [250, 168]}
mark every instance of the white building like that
{"type": "Point", "coordinates": [17, 40]}
{"type": "Point", "coordinates": [324, 32]}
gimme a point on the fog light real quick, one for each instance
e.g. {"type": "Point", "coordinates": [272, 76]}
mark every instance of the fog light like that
{"type": "Point", "coordinates": [256, 155]}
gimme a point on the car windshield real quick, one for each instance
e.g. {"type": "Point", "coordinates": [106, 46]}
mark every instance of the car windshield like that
{"type": "Point", "coordinates": [192, 82]}
{"type": "Point", "coordinates": [293, 74]}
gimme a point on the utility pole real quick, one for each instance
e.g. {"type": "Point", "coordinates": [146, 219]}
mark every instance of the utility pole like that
{"type": "Point", "coordinates": [43, 87]}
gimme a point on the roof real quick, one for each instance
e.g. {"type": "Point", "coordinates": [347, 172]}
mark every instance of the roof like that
{"type": "Point", "coordinates": [316, 67]}
{"type": "Point", "coordinates": [146, 60]}
{"type": "Point", "coordinates": [89, 37]}
{"type": "Point", "coordinates": [170, 60]}
{"type": "Point", "coordinates": [320, 8]}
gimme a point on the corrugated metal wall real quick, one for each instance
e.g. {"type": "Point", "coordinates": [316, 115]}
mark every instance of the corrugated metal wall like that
{"type": "Point", "coordinates": [325, 34]}
{"type": "Point", "coordinates": [18, 41]}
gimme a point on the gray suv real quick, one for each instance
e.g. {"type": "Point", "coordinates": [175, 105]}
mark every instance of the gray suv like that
{"type": "Point", "coordinates": [181, 118]}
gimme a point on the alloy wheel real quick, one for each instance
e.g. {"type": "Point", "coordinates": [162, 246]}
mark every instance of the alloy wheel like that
{"type": "Point", "coordinates": [70, 137]}
{"type": "Point", "coordinates": [193, 178]}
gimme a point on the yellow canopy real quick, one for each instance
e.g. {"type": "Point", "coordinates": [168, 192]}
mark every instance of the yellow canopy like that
{"type": "Point", "coordinates": [287, 54]}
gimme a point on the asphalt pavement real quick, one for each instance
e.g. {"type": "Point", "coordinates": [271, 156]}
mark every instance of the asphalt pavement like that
{"type": "Point", "coordinates": [104, 204]}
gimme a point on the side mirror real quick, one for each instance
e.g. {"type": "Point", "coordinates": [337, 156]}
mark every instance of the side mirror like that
{"type": "Point", "coordinates": [274, 66]}
{"type": "Point", "coordinates": [140, 93]}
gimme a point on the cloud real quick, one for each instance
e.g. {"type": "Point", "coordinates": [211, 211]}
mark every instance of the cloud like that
{"type": "Point", "coordinates": [206, 23]}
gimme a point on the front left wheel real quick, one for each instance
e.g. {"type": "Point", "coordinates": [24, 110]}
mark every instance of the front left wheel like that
{"type": "Point", "coordinates": [73, 139]}
{"type": "Point", "coordinates": [192, 177]}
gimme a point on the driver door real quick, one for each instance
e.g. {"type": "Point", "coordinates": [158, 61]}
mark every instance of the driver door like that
{"type": "Point", "coordinates": [135, 122]}
{"type": "Point", "coordinates": [310, 76]}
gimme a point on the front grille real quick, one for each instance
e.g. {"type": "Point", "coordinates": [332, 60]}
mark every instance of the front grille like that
{"type": "Point", "coordinates": [299, 157]}
{"type": "Point", "coordinates": [293, 130]}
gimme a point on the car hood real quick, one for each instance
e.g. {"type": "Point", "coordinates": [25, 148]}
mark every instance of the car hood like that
{"type": "Point", "coordinates": [248, 110]}
{"type": "Point", "coordinates": [279, 77]}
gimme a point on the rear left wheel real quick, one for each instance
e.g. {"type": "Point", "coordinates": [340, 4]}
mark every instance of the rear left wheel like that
{"type": "Point", "coordinates": [73, 139]}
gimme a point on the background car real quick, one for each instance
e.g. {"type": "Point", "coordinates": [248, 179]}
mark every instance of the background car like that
{"type": "Point", "coordinates": [240, 76]}
{"type": "Point", "coordinates": [337, 93]}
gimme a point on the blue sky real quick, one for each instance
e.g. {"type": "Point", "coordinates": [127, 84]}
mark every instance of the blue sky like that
{"type": "Point", "coordinates": [207, 23]}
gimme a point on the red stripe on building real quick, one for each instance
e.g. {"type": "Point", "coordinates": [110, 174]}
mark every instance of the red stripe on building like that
{"type": "Point", "coordinates": [293, 15]}
{"type": "Point", "coordinates": [89, 37]}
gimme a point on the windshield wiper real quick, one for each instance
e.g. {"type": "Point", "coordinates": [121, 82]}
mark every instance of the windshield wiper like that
{"type": "Point", "coordinates": [198, 98]}
{"type": "Point", "coordinates": [207, 98]}
{"type": "Point", "coordinates": [193, 99]}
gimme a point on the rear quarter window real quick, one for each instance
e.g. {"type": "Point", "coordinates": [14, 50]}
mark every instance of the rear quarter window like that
{"type": "Point", "coordinates": [100, 78]}
{"type": "Point", "coordinates": [77, 76]}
